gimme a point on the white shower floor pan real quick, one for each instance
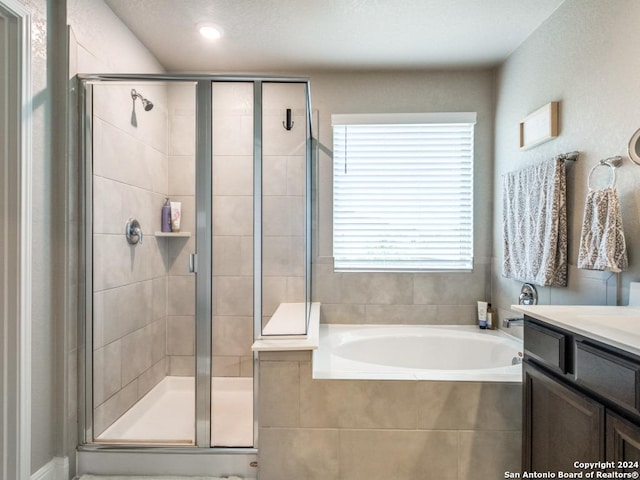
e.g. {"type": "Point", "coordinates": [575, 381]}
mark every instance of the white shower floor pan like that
{"type": "Point", "coordinates": [166, 415]}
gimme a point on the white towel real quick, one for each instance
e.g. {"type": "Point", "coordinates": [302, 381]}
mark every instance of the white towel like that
{"type": "Point", "coordinates": [535, 224]}
{"type": "Point", "coordinates": [602, 244]}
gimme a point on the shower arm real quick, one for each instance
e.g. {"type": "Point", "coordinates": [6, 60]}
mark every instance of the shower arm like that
{"type": "Point", "coordinates": [146, 103]}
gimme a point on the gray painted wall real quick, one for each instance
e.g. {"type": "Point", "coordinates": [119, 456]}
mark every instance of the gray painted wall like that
{"type": "Point", "coordinates": [585, 58]}
{"type": "Point", "coordinates": [43, 377]}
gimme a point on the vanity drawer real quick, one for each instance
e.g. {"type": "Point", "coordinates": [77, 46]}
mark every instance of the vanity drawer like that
{"type": "Point", "coordinates": [546, 346]}
{"type": "Point", "coordinates": [608, 375]}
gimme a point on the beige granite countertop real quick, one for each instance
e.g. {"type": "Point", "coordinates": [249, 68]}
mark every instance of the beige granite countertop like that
{"type": "Point", "coordinates": [615, 326]}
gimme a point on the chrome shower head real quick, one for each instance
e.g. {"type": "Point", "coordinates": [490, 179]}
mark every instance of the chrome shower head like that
{"type": "Point", "coordinates": [146, 104]}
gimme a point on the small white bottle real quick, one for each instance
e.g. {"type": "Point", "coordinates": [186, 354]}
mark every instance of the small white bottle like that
{"type": "Point", "coordinates": [482, 314]}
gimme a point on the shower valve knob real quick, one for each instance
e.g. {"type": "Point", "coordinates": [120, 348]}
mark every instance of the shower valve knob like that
{"type": "Point", "coordinates": [528, 295]}
{"type": "Point", "coordinates": [133, 231]}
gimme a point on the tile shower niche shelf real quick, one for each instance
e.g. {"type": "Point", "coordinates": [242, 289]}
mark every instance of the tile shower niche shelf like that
{"type": "Point", "coordinates": [173, 234]}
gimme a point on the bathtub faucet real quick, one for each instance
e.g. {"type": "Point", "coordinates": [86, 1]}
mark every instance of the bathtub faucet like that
{"type": "Point", "coordinates": [508, 322]}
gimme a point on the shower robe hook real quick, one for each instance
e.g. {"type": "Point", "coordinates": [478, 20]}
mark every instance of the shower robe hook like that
{"type": "Point", "coordinates": [288, 123]}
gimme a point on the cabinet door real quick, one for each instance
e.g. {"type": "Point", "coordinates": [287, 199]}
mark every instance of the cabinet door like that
{"type": "Point", "coordinates": [623, 443]}
{"type": "Point", "coordinates": [560, 425]}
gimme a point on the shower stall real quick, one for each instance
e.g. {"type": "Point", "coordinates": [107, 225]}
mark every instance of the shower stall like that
{"type": "Point", "coordinates": [171, 311]}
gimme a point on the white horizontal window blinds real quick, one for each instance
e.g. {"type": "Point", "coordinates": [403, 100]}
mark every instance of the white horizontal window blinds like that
{"type": "Point", "coordinates": [403, 192]}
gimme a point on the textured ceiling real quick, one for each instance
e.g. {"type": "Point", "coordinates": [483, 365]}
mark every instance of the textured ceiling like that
{"type": "Point", "coordinates": [304, 35]}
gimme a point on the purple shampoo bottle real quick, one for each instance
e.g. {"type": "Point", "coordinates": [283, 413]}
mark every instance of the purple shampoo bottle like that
{"type": "Point", "coordinates": [166, 217]}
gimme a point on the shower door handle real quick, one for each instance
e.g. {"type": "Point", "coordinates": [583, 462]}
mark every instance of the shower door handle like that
{"type": "Point", "coordinates": [193, 263]}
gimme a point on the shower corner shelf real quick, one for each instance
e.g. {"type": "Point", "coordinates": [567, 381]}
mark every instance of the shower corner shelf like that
{"type": "Point", "coordinates": [173, 234]}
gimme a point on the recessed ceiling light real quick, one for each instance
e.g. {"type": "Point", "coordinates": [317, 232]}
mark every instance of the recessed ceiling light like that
{"type": "Point", "coordinates": [209, 31]}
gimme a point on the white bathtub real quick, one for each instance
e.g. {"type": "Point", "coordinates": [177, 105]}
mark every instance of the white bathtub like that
{"type": "Point", "coordinates": [422, 352]}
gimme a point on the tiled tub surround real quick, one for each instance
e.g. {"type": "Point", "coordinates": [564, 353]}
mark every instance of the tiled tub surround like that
{"type": "Point", "coordinates": [399, 297]}
{"type": "Point", "coordinates": [382, 429]}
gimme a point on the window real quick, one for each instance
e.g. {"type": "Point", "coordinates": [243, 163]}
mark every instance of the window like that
{"type": "Point", "coordinates": [403, 192]}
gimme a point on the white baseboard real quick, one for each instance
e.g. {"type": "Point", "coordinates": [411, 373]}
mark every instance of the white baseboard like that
{"type": "Point", "coordinates": [56, 469]}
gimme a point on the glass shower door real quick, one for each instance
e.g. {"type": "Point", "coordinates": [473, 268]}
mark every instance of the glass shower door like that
{"type": "Point", "coordinates": [143, 294]}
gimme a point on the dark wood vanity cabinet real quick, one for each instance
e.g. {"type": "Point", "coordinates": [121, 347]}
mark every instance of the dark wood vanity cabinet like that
{"type": "Point", "coordinates": [560, 424]}
{"type": "Point", "coordinates": [623, 441]}
{"type": "Point", "coordinates": [581, 401]}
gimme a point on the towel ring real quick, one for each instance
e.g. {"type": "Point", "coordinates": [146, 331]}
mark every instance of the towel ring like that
{"type": "Point", "coordinates": [612, 163]}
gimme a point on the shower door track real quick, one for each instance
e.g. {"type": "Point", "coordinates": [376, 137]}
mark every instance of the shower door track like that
{"type": "Point", "coordinates": [144, 460]}
{"type": "Point", "coordinates": [88, 449]}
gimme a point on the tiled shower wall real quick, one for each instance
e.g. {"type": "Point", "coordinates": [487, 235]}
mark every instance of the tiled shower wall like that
{"type": "Point", "coordinates": [283, 214]}
{"type": "Point", "coordinates": [129, 282]}
{"type": "Point", "coordinates": [144, 295]}
{"type": "Point", "coordinates": [283, 190]}
{"type": "Point", "coordinates": [232, 204]}
{"type": "Point", "coordinates": [232, 189]}
{"type": "Point", "coordinates": [181, 188]}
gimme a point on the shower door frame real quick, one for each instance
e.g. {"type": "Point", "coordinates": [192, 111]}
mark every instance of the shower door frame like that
{"type": "Point", "coordinates": [204, 235]}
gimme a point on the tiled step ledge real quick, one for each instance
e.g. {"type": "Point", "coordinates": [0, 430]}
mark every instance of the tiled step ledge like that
{"type": "Point", "coordinates": [289, 317]}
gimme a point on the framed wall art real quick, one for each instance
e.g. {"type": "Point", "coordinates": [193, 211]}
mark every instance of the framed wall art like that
{"type": "Point", "coordinates": [540, 126]}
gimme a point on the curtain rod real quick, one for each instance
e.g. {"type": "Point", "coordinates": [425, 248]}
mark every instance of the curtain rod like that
{"type": "Point", "coordinates": [572, 156]}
